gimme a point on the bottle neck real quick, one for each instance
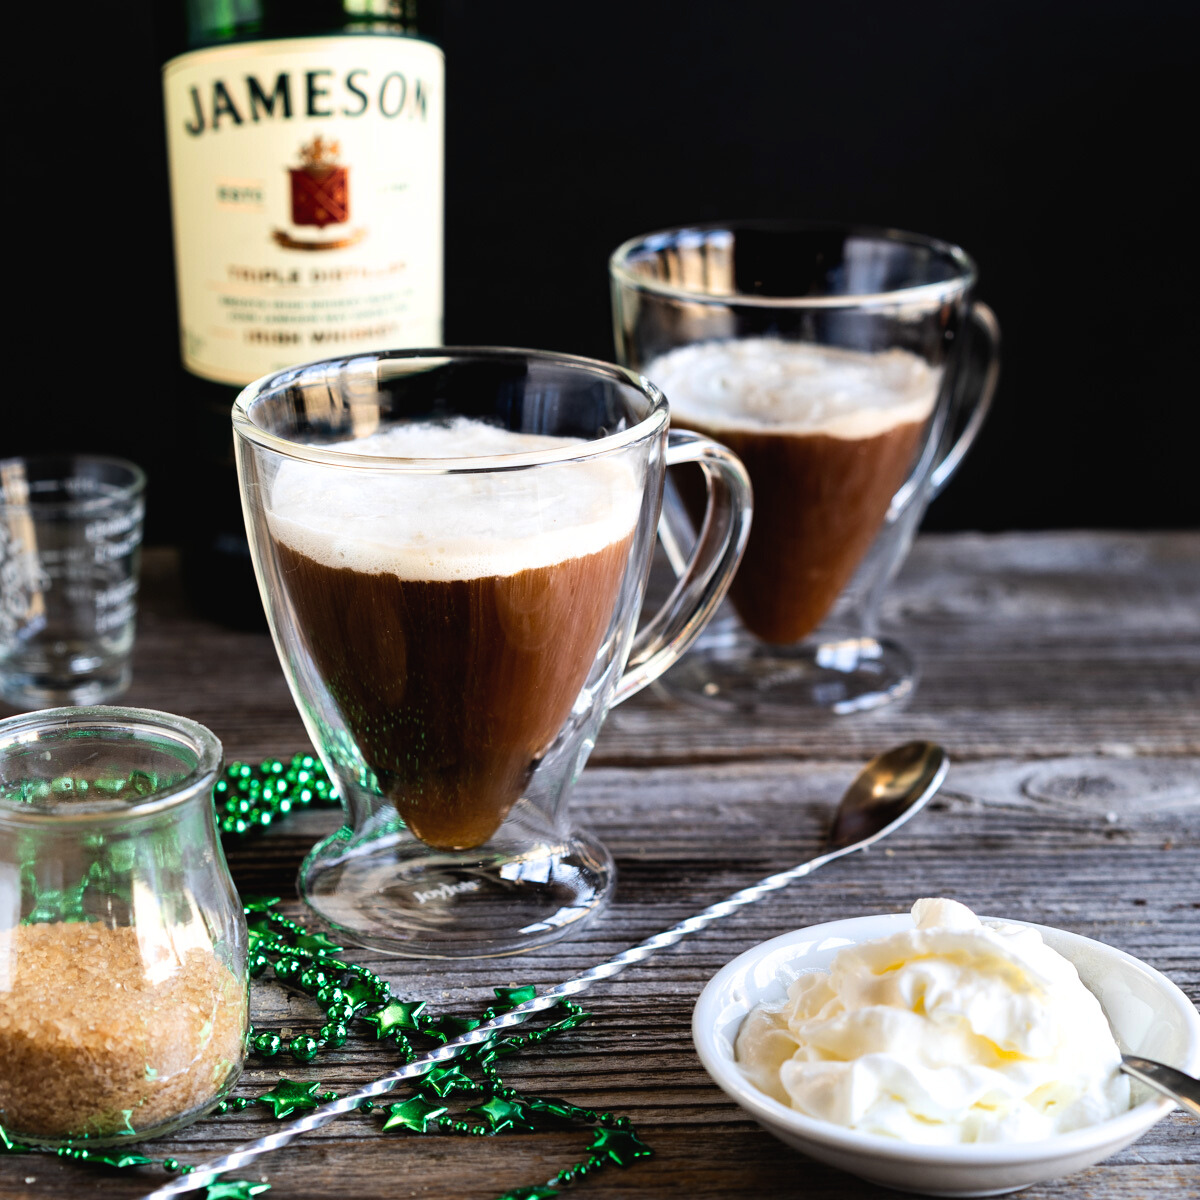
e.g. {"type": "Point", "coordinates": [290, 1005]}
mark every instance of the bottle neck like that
{"type": "Point", "coordinates": [196, 23]}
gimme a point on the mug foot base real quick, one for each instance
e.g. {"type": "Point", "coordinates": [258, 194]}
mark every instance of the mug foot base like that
{"type": "Point", "coordinates": [728, 670]}
{"type": "Point", "coordinates": [393, 893]}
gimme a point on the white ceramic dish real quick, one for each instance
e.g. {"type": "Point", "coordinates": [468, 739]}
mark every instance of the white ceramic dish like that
{"type": "Point", "coordinates": [1149, 1016]}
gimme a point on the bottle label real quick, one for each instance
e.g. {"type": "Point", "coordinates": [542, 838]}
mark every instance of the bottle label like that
{"type": "Point", "coordinates": [306, 188]}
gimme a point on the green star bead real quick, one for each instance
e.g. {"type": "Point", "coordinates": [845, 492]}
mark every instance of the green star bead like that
{"type": "Point", "coordinates": [444, 1080]}
{"type": "Point", "coordinates": [289, 1096]}
{"type": "Point", "coordinates": [554, 1107]}
{"type": "Point", "coordinates": [501, 1114]}
{"type": "Point", "coordinates": [145, 783]}
{"type": "Point", "coordinates": [622, 1146]}
{"type": "Point", "coordinates": [259, 904]}
{"type": "Point", "coordinates": [123, 1160]}
{"type": "Point", "coordinates": [397, 1016]}
{"type": "Point", "coordinates": [568, 1022]}
{"type": "Point", "coordinates": [317, 943]}
{"type": "Point", "coordinates": [416, 1114]}
{"type": "Point", "coordinates": [234, 1189]}
{"type": "Point", "coordinates": [359, 993]}
{"type": "Point", "coordinates": [511, 997]}
{"type": "Point", "coordinates": [452, 1027]}
{"type": "Point", "coordinates": [538, 1192]}
{"type": "Point", "coordinates": [483, 1056]}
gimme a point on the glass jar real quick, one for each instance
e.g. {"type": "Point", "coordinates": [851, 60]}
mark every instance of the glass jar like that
{"type": "Point", "coordinates": [123, 985]}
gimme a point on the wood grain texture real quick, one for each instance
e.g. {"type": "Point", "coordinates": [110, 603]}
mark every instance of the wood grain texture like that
{"type": "Point", "coordinates": [1062, 671]}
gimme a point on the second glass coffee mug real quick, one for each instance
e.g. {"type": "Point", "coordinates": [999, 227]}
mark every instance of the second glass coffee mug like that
{"type": "Point", "coordinates": [850, 369]}
{"type": "Point", "coordinates": [452, 548]}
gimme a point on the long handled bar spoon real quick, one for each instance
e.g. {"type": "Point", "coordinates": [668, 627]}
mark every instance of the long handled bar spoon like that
{"type": "Point", "coordinates": [886, 792]}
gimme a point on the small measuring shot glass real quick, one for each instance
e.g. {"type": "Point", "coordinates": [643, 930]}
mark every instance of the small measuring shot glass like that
{"type": "Point", "coordinates": [124, 1002]}
{"type": "Point", "coordinates": [70, 542]}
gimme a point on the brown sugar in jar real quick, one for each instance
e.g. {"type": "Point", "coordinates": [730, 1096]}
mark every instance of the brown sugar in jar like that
{"type": "Point", "coordinates": [123, 944]}
{"type": "Point", "coordinates": [101, 1040]}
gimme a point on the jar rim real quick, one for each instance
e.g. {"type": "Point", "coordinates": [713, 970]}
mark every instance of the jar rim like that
{"type": "Point", "coordinates": [29, 728]}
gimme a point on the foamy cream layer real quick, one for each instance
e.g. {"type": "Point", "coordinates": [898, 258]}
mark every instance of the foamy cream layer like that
{"type": "Point", "coordinates": [953, 1031]}
{"type": "Point", "coordinates": [774, 386]}
{"type": "Point", "coordinates": [440, 527]}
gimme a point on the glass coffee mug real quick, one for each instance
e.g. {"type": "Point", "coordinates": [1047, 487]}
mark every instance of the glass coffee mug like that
{"type": "Point", "coordinates": [452, 548]}
{"type": "Point", "coordinates": [850, 370]}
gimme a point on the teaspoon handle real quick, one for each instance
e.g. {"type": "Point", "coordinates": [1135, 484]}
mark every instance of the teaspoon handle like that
{"type": "Point", "coordinates": [1180, 1087]}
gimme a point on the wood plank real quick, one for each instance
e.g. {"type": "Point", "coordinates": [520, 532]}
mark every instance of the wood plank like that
{"type": "Point", "coordinates": [1043, 644]}
{"type": "Point", "coordinates": [1038, 644]}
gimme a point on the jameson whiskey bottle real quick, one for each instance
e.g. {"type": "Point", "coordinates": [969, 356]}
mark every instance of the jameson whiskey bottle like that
{"type": "Point", "coordinates": [304, 147]}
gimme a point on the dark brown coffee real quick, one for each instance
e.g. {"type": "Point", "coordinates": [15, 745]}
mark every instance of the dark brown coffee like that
{"type": "Point", "coordinates": [818, 504]}
{"type": "Point", "coordinates": [828, 436]}
{"type": "Point", "coordinates": [452, 689]}
{"type": "Point", "coordinates": [453, 619]}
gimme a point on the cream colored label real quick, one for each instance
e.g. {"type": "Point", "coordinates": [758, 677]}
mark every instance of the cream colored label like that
{"type": "Point", "coordinates": [306, 187]}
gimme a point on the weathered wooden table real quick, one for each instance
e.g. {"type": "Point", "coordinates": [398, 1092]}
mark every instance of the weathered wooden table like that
{"type": "Point", "coordinates": [1061, 671]}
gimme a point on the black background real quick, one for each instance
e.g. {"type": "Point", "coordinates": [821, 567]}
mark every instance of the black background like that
{"type": "Point", "coordinates": [1051, 140]}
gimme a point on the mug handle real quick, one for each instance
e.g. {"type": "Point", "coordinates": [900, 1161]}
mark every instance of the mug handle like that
{"type": "Point", "coordinates": [706, 575]}
{"type": "Point", "coordinates": [968, 408]}
{"type": "Point", "coordinates": [975, 408]}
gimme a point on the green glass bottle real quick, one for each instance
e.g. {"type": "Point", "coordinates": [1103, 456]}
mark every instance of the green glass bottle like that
{"type": "Point", "coordinates": [304, 148]}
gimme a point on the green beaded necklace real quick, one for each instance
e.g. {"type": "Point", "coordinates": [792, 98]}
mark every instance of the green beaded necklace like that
{"type": "Point", "coordinates": [253, 798]}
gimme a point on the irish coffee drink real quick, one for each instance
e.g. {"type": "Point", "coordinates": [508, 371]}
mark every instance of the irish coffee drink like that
{"type": "Point", "coordinates": [828, 436]}
{"type": "Point", "coordinates": [453, 628]}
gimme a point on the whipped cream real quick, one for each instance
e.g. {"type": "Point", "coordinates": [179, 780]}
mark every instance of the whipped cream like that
{"type": "Point", "coordinates": [953, 1031]}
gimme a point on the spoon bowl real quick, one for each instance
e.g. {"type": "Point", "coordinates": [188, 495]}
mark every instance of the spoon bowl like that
{"type": "Point", "coordinates": [887, 792]}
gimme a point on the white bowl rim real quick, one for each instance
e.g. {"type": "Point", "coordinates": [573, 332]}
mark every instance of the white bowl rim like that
{"type": "Point", "coordinates": [1122, 1129]}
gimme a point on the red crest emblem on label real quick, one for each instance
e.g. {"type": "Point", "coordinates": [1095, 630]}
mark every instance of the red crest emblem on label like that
{"type": "Point", "coordinates": [320, 188]}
